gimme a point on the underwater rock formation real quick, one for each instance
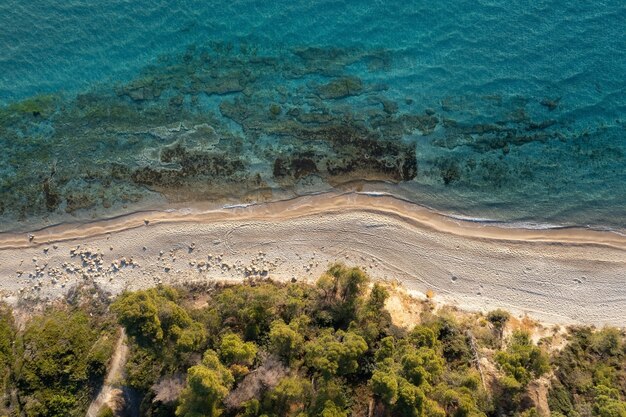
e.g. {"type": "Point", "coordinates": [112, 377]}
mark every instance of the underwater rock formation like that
{"type": "Point", "coordinates": [224, 122]}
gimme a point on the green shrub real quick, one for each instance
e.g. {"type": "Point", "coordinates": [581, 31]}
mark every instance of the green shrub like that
{"type": "Point", "coordinates": [522, 360]}
{"type": "Point", "coordinates": [233, 350]}
{"type": "Point", "coordinates": [335, 353]}
{"type": "Point", "coordinates": [207, 386]}
{"type": "Point", "coordinates": [285, 341]}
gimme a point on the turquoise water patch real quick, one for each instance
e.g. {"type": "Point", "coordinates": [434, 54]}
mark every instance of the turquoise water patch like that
{"type": "Point", "coordinates": [491, 110]}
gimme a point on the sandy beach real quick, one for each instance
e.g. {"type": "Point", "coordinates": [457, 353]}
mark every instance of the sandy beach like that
{"type": "Point", "coordinates": [554, 275]}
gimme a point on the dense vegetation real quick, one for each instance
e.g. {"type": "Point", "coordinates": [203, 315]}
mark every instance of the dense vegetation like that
{"type": "Point", "coordinates": [591, 375]}
{"type": "Point", "coordinates": [290, 349]}
{"type": "Point", "coordinates": [57, 360]}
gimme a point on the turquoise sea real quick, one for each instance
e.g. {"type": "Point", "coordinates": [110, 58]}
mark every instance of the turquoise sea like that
{"type": "Point", "coordinates": [509, 111]}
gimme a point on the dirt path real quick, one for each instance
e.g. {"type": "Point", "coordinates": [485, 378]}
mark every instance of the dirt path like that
{"type": "Point", "coordinates": [110, 390]}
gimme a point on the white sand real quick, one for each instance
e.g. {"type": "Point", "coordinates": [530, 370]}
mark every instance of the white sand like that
{"type": "Point", "coordinates": [557, 276]}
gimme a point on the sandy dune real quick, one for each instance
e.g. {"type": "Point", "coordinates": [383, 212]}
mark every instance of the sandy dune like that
{"type": "Point", "coordinates": [556, 275]}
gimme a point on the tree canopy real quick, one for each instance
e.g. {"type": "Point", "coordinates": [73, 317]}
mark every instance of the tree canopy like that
{"type": "Point", "coordinates": [267, 349]}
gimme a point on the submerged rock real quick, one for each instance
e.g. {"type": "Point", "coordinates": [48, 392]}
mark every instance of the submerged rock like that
{"type": "Point", "coordinates": [340, 88]}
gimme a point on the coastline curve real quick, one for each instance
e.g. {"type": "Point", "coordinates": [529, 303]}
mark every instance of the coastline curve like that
{"type": "Point", "coordinates": [557, 275]}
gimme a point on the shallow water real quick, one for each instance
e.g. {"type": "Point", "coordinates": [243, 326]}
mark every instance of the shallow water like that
{"type": "Point", "coordinates": [490, 109]}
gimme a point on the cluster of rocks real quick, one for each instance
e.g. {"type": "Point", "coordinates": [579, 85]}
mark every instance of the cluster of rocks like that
{"type": "Point", "coordinates": [258, 267]}
{"type": "Point", "coordinates": [124, 262]}
{"type": "Point", "coordinates": [36, 279]}
{"type": "Point", "coordinates": [90, 266]}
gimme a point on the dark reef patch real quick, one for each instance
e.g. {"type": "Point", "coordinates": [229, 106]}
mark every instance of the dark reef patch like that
{"type": "Point", "coordinates": [340, 88]}
{"type": "Point", "coordinates": [191, 167]}
{"type": "Point", "coordinates": [51, 195]}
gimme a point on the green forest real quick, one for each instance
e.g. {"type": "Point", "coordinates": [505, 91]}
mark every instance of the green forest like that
{"type": "Point", "coordinates": [278, 349]}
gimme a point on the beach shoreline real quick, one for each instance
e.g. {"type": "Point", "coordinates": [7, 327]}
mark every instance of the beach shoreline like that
{"type": "Point", "coordinates": [556, 275]}
{"type": "Point", "coordinates": [326, 202]}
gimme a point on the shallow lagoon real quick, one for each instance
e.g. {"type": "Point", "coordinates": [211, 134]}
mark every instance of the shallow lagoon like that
{"type": "Point", "coordinates": [491, 111]}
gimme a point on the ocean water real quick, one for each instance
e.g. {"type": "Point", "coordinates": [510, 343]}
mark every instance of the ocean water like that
{"type": "Point", "coordinates": [504, 110]}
